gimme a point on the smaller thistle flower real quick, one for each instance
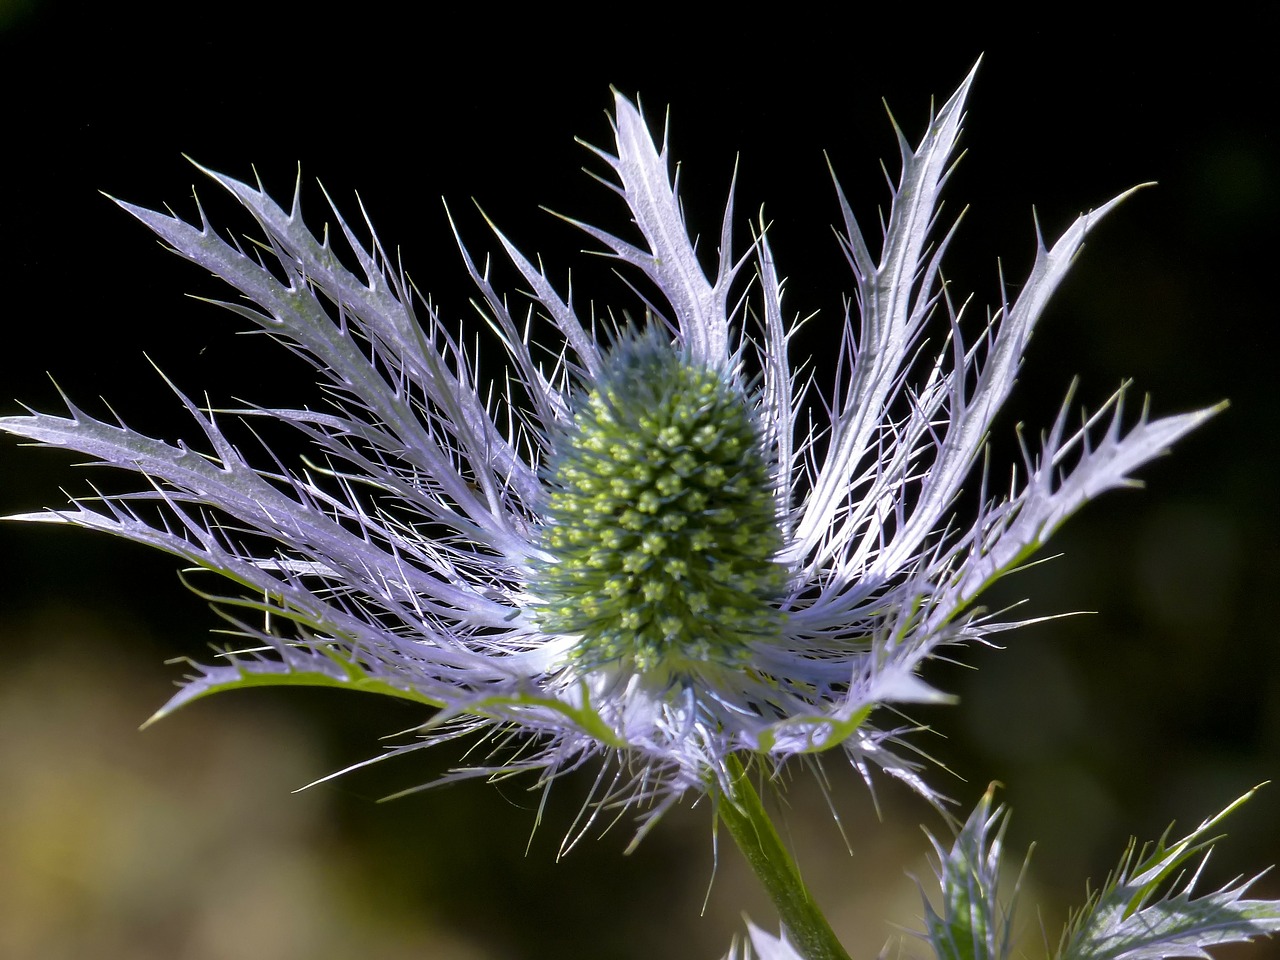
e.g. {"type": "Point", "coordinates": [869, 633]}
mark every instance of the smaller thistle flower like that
{"type": "Point", "coordinates": [645, 560]}
{"type": "Point", "coordinates": [1148, 908]}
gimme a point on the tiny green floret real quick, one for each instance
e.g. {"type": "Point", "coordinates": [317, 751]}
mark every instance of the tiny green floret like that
{"type": "Point", "coordinates": [661, 519]}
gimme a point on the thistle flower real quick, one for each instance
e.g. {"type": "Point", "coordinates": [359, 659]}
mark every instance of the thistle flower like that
{"type": "Point", "coordinates": [631, 547]}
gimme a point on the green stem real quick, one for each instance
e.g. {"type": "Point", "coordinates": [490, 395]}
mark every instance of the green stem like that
{"type": "Point", "coordinates": [744, 815]}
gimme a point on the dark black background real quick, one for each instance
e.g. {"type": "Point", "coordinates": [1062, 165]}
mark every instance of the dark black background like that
{"type": "Point", "coordinates": [1166, 704]}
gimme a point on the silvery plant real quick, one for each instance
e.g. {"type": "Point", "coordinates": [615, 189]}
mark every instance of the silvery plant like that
{"type": "Point", "coordinates": [651, 544]}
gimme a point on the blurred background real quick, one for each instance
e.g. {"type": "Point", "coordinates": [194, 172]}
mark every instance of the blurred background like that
{"type": "Point", "coordinates": [187, 840]}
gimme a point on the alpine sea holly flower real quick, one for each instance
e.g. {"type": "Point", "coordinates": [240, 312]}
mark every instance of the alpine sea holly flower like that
{"type": "Point", "coordinates": [636, 551]}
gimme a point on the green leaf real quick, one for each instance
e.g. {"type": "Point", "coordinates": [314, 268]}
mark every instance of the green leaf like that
{"type": "Point", "coordinates": [1144, 911]}
{"type": "Point", "coordinates": [345, 676]}
{"type": "Point", "coordinates": [972, 924]}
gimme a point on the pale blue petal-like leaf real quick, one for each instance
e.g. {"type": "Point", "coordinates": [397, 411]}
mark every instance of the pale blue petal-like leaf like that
{"type": "Point", "coordinates": [762, 945]}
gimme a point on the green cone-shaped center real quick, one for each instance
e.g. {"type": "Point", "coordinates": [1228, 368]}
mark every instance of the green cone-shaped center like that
{"type": "Point", "coordinates": [661, 518]}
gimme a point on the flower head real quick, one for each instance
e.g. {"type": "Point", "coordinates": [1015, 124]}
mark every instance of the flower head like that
{"type": "Point", "coordinates": [636, 552]}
